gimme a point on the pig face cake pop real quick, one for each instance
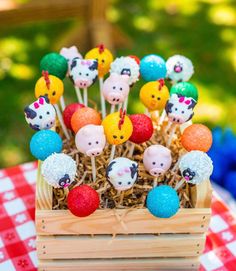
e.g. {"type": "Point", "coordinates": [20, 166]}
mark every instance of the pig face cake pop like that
{"type": "Point", "coordinates": [116, 88]}
{"type": "Point", "coordinates": [40, 115]}
{"type": "Point", "coordinates": [83, 72]}
{"type": "Point", "coordinates": [179, 68]}
{"type": "Point", "coordinates": [157, 160]}
{"type": "Point", "coordinates": [179, 109]}
{"type": "Point", "coordinates": [196, 167]}
{"type": "Point", "coordinates": [91, 140]}
{"type": "Point", "coordinates": [59, 170]}
{"type": "Point", "coordinates": [122, 173]}
{"type": "Point", "coordinates": [118, 127]}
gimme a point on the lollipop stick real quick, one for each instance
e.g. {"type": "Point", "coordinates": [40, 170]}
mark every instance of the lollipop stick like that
{"type": "Point", "coordinates": [93, 168]}
{"type": "Point", "coordinates": [172, 132]}
{"type": "Point", "coordinates": [131, 150]}
{"type": "Point", "coordinates": [66, 190]}
{"type": "Point", "coordinates": [155, 181]}
{"type": "Point", "coordinates": [119, 107]}
{"type": "Point", "coordinates": [162, 118]}
{"type": "Point", "coordinates": [85, 96]}
{"type": "Point", "coordinates": [103, 103]}
{"type": "Point", "coordinates": [112, 108]}
{"type": "Point", "coordinates": [178, 185]}
{"type": "Point", "coordinates": [126, 103]}
{"type": "Point", "coordinates": [59, 115]}
{"type": "Point", "coordinates": [169, 124]}
{"type": "Point", "coordinates": [113, 150]}
{"type": "Point", "coordinates": [147, 112]}
{"type": "Point", "coordinates": [121, 194]}
{"type": "Point", "coordinates": [79, 96]}
{"type": "Point", "coordinates": [62, 103]}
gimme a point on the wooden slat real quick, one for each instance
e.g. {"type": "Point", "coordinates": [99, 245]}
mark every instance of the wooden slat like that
{"type": "Point", "coordinates": [120, 265]}
{"type": "Point", "coordinates": [107, 221]}
{"type": "Point", "coordinates": [122, 246]}
{"type": "Point", "coordinates": [201, 195]}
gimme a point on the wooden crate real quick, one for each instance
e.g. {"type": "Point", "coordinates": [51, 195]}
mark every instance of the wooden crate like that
{"type": "Point", "coordinates": [142, 242]}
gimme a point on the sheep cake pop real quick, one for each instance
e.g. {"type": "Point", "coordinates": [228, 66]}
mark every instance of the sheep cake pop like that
{"type": "Point", "coordinates": [122, 173]}
{"type": "Point", "coordinates": [40, 115]}
{"type": "Point", "coordinates": [115, 90]}
{"type": "Point", "coordinates": [69, 54]}
{"type": "Point", "coordinates": [59, 170]}
{"type": "Point", "coordinates": [185, 89]}
{"type": "Point", "coordinates": [91, 140]}
{"type": "Point", "coordinates": [157, 161]}
{"type": "Point", "coordinates": [152, 68]}
{"type": "Point", "coordinates": [179, 68]}
{"type": "Point", "coordinates": [68, 113]}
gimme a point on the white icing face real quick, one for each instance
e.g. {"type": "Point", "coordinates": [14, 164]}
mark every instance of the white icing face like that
{"type": "Point", "coordinates": [122, 173]}
{"type": "Point", "coordinates": [40, 115]}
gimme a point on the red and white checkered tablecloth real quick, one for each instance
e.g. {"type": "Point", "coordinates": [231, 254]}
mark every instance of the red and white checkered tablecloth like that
{"type": "Point", "coordinates": [17, 231]}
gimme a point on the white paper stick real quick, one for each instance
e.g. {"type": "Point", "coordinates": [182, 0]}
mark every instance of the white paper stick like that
{"type": "Point", "coordinates": [125, 106]}
{"type": "Point", "coordinates": [113, 150]}
{"type": "Point", "coordinates": [162, 118]}
{"type": "Point", "coordinates": [93, 168]}
{"type": "Point", "coordinates": [169, 124]}
{"type": "Point", "coordinates": [79, 96]}
{"type": "Point", "coordinates": [119, 107]}
{"type": "Point", "coordinates": [172, 132]}
{"type": "Point", "coordinates": [179, 184]}
{"type": "Point", "coordinates": [66, 190]}
{"type": "Point", "coordinates": [112, 109]}
{"type": "Point", "coordinates": [62, 103]}
{"type": "Point", "coordinates": [59, 115]}
{"type": "Point", "coordinates": [103, 103]}
{"type": "Point", "coordinates": [131, 149]}
{"type": "Point", "coordinates": [146, 112]}
{"type": "Point", "coordinates": [155, 181]}
{"type": "Point", "coordinates": [85, 96]}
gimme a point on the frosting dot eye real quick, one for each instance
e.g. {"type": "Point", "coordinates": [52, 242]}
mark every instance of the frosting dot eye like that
{"type": "Point", "coordinates": [120, 183]}
{"type": "Point", "coordinates": [129, 183]}
{"type": "Point", "coordinates": [158, 98]}
{"type": "Point", "coordinates": [176, 109]}
{"type": "Point", "coordinates": [121, 88]}
{"type": "Point", "coordinates": [54, 93]}
{"type": "Point", "coordinates": [97, 142]}
{"type": "Point", "coordinates": [40, 117]}
{"type": "Point", "coordinates": [80, 73]}
{"type": "Point", "coordinates": [162, 164]}
{"type": "Point", "coordinates": [114, 136]}
{"type": "Point", "coordinates": [153, 96]}
{"type": "Point", "coordinates": [121, 137]}
{"type": "Point", "coordinates": [154, 163]}
{"type": "Point", "coordinates": [87, 74]}
{"type": "Point", "coordinates": [182, 112]}
{"type": "Point", "coordinates": [48, 113]}
{"type": "Point", "coordinates": [90, 143]}
{"type": "Point", "coordinates": [114, 87]}
{"type": "Point", "coordinates": [103, 61]}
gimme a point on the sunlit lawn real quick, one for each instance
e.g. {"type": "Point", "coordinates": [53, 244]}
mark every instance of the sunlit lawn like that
{"type": "Point", "coordinates": [204, 32]}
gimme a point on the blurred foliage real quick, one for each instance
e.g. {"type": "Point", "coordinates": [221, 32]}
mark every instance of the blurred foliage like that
{"type": "Point", "coordinates": [203, 30]}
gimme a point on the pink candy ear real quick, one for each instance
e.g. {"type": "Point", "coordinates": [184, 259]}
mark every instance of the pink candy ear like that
{"type": "Point", "coordinates": [41, 100]}
{"type": "Point", "coordinates": [36, 105]}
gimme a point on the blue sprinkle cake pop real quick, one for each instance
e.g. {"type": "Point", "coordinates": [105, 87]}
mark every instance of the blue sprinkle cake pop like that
{"type": "Point", "coordinates": [44, 143]}
{"type": "Point", "coordinates": [152, 68]}
{"type": "Point", "coordinates": [163, 201]}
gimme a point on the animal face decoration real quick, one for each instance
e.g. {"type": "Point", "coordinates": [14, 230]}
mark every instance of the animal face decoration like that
{"type": "Point", "coordinates": [157, 160]}
{"type": "Point", "coordinates": [116, 88]}
{"type": "Point", "coordinates": [179, 109]}
{"type": "Point", "coordinates": [40, 115]}
{"type": "Point", "coordinates": [179, 68]}
{"type": "Point", "coordinates": [118, 128]}
{"type": "Point", "coordinates": [91, 140]}
{"type": "Point", "coordinates": [83, 72]}
{"type": "Point", "coordinates": [122, 173]}
{"type": "Point", "coordinates": [50, 86]}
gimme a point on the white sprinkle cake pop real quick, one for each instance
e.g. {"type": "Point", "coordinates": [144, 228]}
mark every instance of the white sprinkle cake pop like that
{"type": "Point", "coordinates": [126, 65]}
{"type": "Point", "coordinates": [179, 68]}
{"type": "Point", "coordinates": [59, 170]}
{"type": "Point", "coordinates": [196, 167]}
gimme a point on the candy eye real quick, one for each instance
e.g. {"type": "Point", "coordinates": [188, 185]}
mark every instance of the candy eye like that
{"type": "Point", "coordinates": [114, 87]}
{"type": "Point", "coordinates": [62, 183]}
{"type": "Point", "coordinates": [97, 142]}
{"type": "Point", "coordinates": [153, 96]}
{"type": "Point", "coordinates": [48, 113]}
{"type": "Point", "coordinates": [90, 143]}
{"type": "Point", "coordinates": [67, 181]}
{"type": "Point", "coordinates": [162, 164]}
{"type": "Point", "coordinates": [158, 98]}
{"type": "Point", "coordinates": [40, 117]}
{"type": "Point", "coordinates": [154, 163]}
{"type": "Point", "coordinates": [54, 93]}
{"type": "Point", "coordinates": [121, 89]}
{"type": "Point", "coordinates": [114, 136]}
{"type": "Point", "coordinates": [121, 137]}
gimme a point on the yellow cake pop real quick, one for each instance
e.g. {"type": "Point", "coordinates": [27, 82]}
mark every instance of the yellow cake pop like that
{"type": "Point", "coordinates": [104, 58]}
{"type": "Point", "coordinates": [51, 86]}
{"type": "Point", "coordinates": [117, 127]}
{"type": "Point", "coordinates": [154, 95]}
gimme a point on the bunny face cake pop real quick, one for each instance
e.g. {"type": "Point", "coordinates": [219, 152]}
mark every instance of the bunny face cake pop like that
{"type": "Point", "coordinates": [40, 115]}
{"type": "Point", "coordinates": [195, 167]}
{"type": "Point", "coordinates": [116, 88]}
{"type": "Point", "coordinates": [179, 68]}
{"type": "Point", "coordinates": [122, 173]}
{"type": "Point", "coordinates": [91, 140]}
{"type": "Point", "coordinates": [59, 170]}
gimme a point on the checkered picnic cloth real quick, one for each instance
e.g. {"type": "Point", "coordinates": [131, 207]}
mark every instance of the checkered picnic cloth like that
{"type": "Point", "coordinates": [17, 231]}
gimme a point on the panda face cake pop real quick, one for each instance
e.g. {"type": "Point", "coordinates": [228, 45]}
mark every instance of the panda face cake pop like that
{"type": "Point", "coordinates": [122, 173]}
{"type": "Point", "coordinates": [59, 170]}
{"type": "Point", "coordinates": [179, 68]}
{"type": "Point", "coordinates": [195, 167]}
{"type": "Point", "coordinates": [40, 115]}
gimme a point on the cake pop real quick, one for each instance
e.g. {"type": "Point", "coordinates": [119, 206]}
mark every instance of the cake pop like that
{"type": "Point", "coordinates": [40, 115]}
{"type": "Point", "coordinates": [185, 89]}
{"type": "Point", "coordinates": [83, 73]}
{"type": "Point", "coordinates": [152, 68]}
{"type": "Point", "coordinates": [84, 116]}
{"type": "Point", "coordinates": [122, 173]}
{"type": "Point", "coordinates": [163, 201]}
{"type": "Point", "coordinates": [179, 68]}
{"type": "Point", "coordinates": [44, 143]}
{"type": "Point", "coordinates": [69, 54]}
{"type": "Point", "coordinates": [59, 170]}
{"type": "Point", "coordinates": [83, 200]}
{"type": "Point", "coordinates": [91, 140]}
{"type": "Point", "coordinates": [105, 58]}
{"type": "Point", "coordinates": [68, 113]}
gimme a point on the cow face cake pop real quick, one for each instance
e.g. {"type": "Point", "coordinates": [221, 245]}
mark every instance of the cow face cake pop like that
{"type": "Point", "coordinates": [59, 170]}
{"type": "Point", "coordinates": [40, 115]}
{"type": "Point", "coordinates": [122, 173]}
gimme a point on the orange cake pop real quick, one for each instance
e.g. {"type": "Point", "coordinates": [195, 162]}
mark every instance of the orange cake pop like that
{"type": "Point", "coordinates": [197, 137]}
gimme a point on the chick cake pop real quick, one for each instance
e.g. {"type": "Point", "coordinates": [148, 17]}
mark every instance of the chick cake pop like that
{"type": "Point", "coordinates": [122, 173]}
{"type": "Point", "coordinates": [91, 140]}
{"type": "Point", "coordinates": [53, 88]}
{"type": "Point", "coordinates": [83, 73]}
{"type": "Point", "coordinates": [104, 58]}
{"type": "Point", "coordinates": [185, 89]}
{"type": "Point", "coordinates": [118, 128]}
{"type": "Point", "coordinates": [179, 68]}
{"type": "Point", "coordinates": [68, 113]}
{"type": "Point", "coordinates": [152, 68]}
{"type": "Point", "coordinates": [142, 130]}
{"type": "Point", "coordinates": [40, 115]}
{"type": "Point", "coordinates": [59, 170]}
{"type": "Point", "coordinates": [195, 167]}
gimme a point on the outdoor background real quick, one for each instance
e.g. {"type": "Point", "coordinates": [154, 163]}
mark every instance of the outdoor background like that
{"type": "Point", "coordinates": [200, 30]}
